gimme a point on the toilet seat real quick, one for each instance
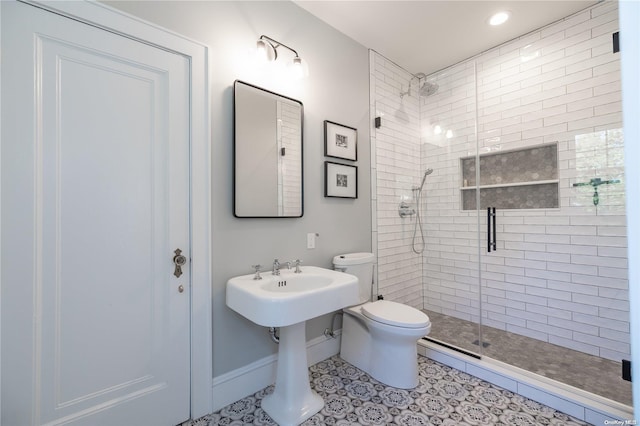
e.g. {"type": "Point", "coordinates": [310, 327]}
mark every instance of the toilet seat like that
{"type": "Point", "coordinates": [395, 314]}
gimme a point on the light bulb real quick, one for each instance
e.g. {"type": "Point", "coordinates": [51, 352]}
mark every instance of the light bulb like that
{"type": "Point", "coordinates": [499, 18]}
{"type": "Point", "coordinates": [296, 68]}
{"type": "Point", "coordinates": [261, 51]}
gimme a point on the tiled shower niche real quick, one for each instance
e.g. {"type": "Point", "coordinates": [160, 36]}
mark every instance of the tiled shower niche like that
{"type": "Point", "coordinates": [520, 179]}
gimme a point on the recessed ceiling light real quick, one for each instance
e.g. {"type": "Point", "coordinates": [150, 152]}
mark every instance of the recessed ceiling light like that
{"type": "Point", "coordinates": [499, 18]}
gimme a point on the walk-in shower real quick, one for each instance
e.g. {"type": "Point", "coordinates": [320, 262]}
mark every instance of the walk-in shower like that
{"type": "Point", "coordinates": [518, 133]}
{"type": "Point", "coordinates": [523, 266]}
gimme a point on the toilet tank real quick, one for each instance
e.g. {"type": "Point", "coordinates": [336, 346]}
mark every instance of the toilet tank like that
{"type": "Point", "coordinates": [360, 265]}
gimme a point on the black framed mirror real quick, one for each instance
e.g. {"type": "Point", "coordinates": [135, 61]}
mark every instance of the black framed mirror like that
{"type": "Point", "coordinates": [268, 178]}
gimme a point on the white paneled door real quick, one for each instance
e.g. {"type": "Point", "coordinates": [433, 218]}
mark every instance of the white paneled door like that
{"type": "Point", "coordinates": [95, 200]}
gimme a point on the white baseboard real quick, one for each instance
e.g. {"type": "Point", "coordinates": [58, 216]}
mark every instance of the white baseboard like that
{"type": "Point", "coordinates": [237, 384]}
{"type": "Point", "coordinates": [583, 405]}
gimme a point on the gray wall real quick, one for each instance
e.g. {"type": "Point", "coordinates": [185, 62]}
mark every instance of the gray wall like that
{"type": "Point", "coordinates": [336, 89]}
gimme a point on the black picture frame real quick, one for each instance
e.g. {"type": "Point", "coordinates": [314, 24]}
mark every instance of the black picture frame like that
{"type": "Point", "coordinates": [340, 141]}
{"type": "Point", "coordinates": [340, 180]}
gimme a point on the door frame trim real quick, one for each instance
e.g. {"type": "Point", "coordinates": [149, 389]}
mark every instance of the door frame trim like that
{"type": "Point", "coordinates": [126, 25]}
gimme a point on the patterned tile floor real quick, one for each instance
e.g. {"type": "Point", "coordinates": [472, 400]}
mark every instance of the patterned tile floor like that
{"type": "Point", "coordinates": [444, 396]}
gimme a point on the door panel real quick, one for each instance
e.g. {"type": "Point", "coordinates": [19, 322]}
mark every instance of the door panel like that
{"type": "Point", "coordinates": [94, 202]}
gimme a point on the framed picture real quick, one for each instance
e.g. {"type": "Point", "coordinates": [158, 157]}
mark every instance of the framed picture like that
{"type": "Point", "coordinates": [340, 141]}
{"type": "Point", "coordinates": [340, 180]}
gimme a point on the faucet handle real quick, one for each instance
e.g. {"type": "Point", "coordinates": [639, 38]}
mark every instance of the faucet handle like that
{"type": "Point", "coordinates": [297, 262]}
{"type": "Point", "coordinates": [257, 275]}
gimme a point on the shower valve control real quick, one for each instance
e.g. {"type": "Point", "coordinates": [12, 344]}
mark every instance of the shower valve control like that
{"type": "Point", "coordinates": [405, 210]}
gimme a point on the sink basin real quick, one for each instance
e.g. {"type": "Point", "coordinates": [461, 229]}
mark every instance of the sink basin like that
{"type": "Point", "coordinates": [290, 298]}
{"type": "Point", "coordinates": [287, 301]}
{"type": "Point", "coordinates": [297, 283]}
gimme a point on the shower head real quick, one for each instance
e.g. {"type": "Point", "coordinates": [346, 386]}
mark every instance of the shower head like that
{"type": "Point", "coordinates": [419, 76]}
{"type": "Point", "coordinates": [426, 173]}
{"type": "Point", "coordinates": [428, 89]}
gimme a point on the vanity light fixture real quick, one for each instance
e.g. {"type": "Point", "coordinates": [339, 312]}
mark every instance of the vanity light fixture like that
{"type": "Point", "coordinates": [268, 52]}
{"type": "Point", "coordinates": [499, 18]}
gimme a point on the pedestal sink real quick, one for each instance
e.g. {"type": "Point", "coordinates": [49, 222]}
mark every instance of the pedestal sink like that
{"type": "Point", "coordinates": [287, 301]}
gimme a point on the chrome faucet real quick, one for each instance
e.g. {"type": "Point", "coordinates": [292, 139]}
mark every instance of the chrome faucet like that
{"type": "Point", "coordinates": [298, 262]}
{"type": "Point", "coordinates": [257, 271]}
{"type": "Point", "coordinates": [276, 267]}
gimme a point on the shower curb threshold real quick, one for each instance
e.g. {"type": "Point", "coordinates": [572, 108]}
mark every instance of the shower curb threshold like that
{"type": "Point", "coordinates": [576, 402]}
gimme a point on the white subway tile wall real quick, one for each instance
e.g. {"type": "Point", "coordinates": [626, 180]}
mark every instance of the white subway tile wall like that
{"type": "Point", "coordinates": [558, 275]}
{"type": "Point", "coordinates": [395, 169]}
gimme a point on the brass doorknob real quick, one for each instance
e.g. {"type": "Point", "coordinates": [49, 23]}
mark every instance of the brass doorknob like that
{"type": "Point", "coordinates": [178, 260]}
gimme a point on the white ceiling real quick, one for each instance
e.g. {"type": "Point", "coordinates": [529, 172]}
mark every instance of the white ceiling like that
{"type": "Point", "coordinates": [428, 35]}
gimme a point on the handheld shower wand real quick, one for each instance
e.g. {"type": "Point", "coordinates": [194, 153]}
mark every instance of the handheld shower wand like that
{"type": "Point", "coordinates": [424, 177]}
{"type": "Point", "coordinates": [418, 223]}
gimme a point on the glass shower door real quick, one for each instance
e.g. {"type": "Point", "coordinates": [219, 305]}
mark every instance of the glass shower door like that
{"type": "Point", "coordinates": [554, 289]}
{"type": "Point", "coordinates": [451, 267]}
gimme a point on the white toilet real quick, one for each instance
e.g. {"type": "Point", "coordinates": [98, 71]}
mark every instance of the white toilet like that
{"type": "Point", "coordinates": [380, 337]}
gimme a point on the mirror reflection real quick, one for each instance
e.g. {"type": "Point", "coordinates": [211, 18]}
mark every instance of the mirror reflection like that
{"type": "Point", "coordinates": [267, 153]}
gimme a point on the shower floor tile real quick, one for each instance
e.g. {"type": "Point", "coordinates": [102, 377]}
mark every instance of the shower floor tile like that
{"type": "Point", "coordinates": [590, 373]}
{"type": "Point", "coordinates": [444, 396]}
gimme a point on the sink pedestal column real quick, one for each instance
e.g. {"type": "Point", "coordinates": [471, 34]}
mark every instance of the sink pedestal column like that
{"type": "Point", "coordinates": [292, 401]}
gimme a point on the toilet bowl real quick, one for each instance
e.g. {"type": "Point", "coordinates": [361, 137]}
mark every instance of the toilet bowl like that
{"type": "Point", "coordinates": [380, 337]}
